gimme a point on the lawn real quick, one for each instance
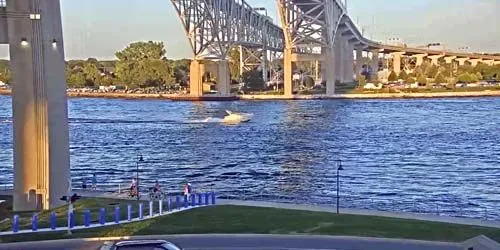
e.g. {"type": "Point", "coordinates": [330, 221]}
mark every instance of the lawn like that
{"type": "Point", "coordinates": [240, 219]}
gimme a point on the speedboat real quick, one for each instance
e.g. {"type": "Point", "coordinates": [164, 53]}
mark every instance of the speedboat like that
{"type": "Point", "coordinates": [233, 117]}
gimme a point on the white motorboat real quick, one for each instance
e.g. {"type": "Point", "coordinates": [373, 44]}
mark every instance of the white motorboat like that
{"type": "Point", "coordinates": [233, 117]}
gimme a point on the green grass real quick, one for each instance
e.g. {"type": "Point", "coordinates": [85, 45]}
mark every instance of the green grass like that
{"type": "Point", "coordinates": [238, 219]}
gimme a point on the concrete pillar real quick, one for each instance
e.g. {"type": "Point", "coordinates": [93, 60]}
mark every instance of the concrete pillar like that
{"type": "Point", "coordinates": [348, 62]}
{"type": "Point", "coordinates": [474, 62]}
{"type": "Point", "coordinates": [265, 67]}
{"type": "Point", "coordinates": [435, 59]}
{"type": "Point", "coordinates": [39, 104]}
{"type": "Point", "coordinates": [196, 72]}
{"type": "Point", "coordinates": [449, 59]}
{"type": "Point", "coordinates": [496, 62]}
{"type": "Point", "coordinates": [288, 72]}
{"type": "Point", "coordinates": [223, 78]}
{"type": "Point", "coordinates": [375, 62]}
{"type": "Point", "coordinates": [420, 59]}
{"type": "Point", "coordinates": [359, 61]}
{"type": "Point", "coordinates": [328, 68]}
{"type": "Point", "coordinates": [396, 63]}
{"type": "Point", "coordinates": [461, 61]}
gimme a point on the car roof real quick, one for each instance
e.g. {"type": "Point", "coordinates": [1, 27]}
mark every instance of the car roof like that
{"type": "Point", "coordinates": [141, 242]}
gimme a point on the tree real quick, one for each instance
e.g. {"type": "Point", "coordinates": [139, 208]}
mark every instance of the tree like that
{"type": "Point", "coordinates": [498, 78]}
{"type": "Point", "coordinates": [422, 80]}
{"type": "Point", "coordinates": [253, 79]}
{"type": "Point", "coordinates": [138, 60]}
{"type": "Point", "coordinates": [432, 71]}
{"type": "Point", "coordinates": [467, 78]}
{"type": "Point", "coordinates": [92, 74]}
{"type": "Point", "coordinates": [411, 80]}
{"type": "Point", "coordinates": [393, 77]}
{"type": "Point", "coordinates": [403, 75]}
{"type": "Point", "coordinates": [361, 80]}
{"type": "Point", "coordinates": [440, 78]}
{"type": "Point", "coordinates": [234, 63]}
{"type": "Point", "coordinates": [5, 75]}
{"type": "Point", "coordinates": [479, 76]}
{"type": "Point", "coordinates": [75, 79]}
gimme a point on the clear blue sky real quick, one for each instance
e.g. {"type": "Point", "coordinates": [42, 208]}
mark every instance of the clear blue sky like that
{"type": "Point", "coordinates": [98, 28]}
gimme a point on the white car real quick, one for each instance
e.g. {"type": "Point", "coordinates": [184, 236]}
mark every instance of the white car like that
{"type": "Point", "coordinates": [140, 244]}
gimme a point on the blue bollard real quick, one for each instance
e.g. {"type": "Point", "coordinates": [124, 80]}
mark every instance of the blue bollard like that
{"type": "Point", "coordinates": [200, 199]}
{"type": "Point", "coordinates": [102, 216]}
{"type": "Point", "coordinates": [72, 220]}
{"type": "Point", "coordinates": [151, 209]}
{"type": "Point", "coordinates": [86, 218]}
{"type": "Point", "coordinates": [34, 223]}
{"type": "Point", "coordinates": [185, 201]}
{"type": "Point", "coordinates": [141, 215]}
{"type": "Point", "coordinates": [213, 198]}
{"type": "Point", "coordinates": [178, 202]}
{"type": "Point", "coordinates": [193, 200]}
{"type": "Point", "coordinates": [53, 223]}
{"type": "Point", "coordinates": [15, 224]}
{"type": "Point", "coordinates": [169, 203]}
{"type": "Point", "coordinates": [117, 214]}
{"type": "Point", "coordinates": [129, 212]}
{"type": "Point", "coordinates": [207, 198]}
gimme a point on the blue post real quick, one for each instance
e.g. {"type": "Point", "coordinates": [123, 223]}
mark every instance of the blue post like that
{"type": "Point", "coordinates": [213, 198]}
{"type": "Point", "coordinates": [102, 216]}
{"type": "Point", "coordinates": [117, 214]}
{"type": "Point", "coordinates": [34, 223]}
{"type": "Point", "coordinates": [15, 224]}
{"type": "Point", "coordinates": [141, 216]}
{"type": "Point", "coordinates": [53, 224]}
{"type": "Point", "coordinates": [185, 201]}
{"type": "Point", "coordinates": [129, 212]}
{"type": "Point", "coordinates": [207, 198]}
{"type": "Point", "coordinates": [178, 202]}
{"type": "Point", "coordinates": [200, 199]}
{"type": "Point", "coordinates": [72, 220]}
{"type": "Point", "coordinates": [86, 218]}
{"type": "Point", "coordinates": [151, 209]}
{"type": "Point", "coordinates": [169, 203]}
{"type": "Point", "coordinates": [193, 200]}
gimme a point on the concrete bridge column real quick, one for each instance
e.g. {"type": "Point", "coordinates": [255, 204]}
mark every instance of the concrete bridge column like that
{"type": "Point", "coordinates": [461, 61]}
{"type": "Point", "coordinates": [328, 68]}
{"type": "Point", "coordinates": [396, 61]}
{"type": "Point", "coordinates": [196, 73]}
{"type": "Point", "coordinates": [489, 62]}
{"type": "Point", "coordinates": [359, 61]}
{"type": "Point", "coordinates": [496, 62]}
{"type": "Point", "coordinates": [348, 62]}
{"type": "Point", "coordinates": [474, 62]}
{"type": "Point", "coordinates": [39, 104]}
{"type": "Point", "coordinates": [449, 59]}
{"type": "Point", "coordinates": [435, 59]}
{"type": "Point", "coordinates": [338, 59]}
{"type": "Point", "coordinates": [375, 62]}
{"type": "Point", "coordinates": [420, 59]}
{"type": "Point", "coordinates": [288, 72]}
{"type": "Point", "coordinates": [223, 78]}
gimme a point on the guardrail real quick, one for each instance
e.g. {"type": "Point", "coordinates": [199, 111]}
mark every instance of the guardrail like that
{"type": "Point", "coordinates": [164, 207]}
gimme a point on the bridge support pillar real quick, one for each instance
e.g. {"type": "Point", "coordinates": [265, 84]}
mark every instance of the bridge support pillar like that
{"type": "Point", "coordinates": [489, 62]}
{"type": "Point", "coordinates": [396, 61]}
{"type": "Point", "coordinates": [338, 59]}
{"type": "Point", "coordinates": [449, 59]}
{"type": "Point", "coordinates": [223, 78]}
{"type": "Point", "coordinates": [348, 62]}
{"type": "Point", "coordinates": [435, 59]}
{"type": "Point", "coordinates": [328, 68]}
{"type": "Point", "coordinates": [359, 62]}
{"type": "Point", "coordinates": [374, 64]}
{"type": "Point", "coordinates": [196, 73]}
{"type": "Point", "coordinates": [288, 72]}
{"type": "Point", "coordinates": [420, 59]}
{"type": "Point", "coordinates": [39, 104]}
{"type": "Point", "coordinates": [475, 62]}
{"type": "Point", "coordinates": [496, 62]}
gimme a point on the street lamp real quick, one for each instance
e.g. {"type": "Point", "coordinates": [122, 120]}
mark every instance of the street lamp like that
{"type": "Point", "coordinates": [339, 168]}
{"type": "Point", "coordinates": [139, 158]}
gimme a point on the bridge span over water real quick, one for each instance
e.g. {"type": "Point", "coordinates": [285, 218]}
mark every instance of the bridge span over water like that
{"type": "Point", "coordinates": [310, 30]}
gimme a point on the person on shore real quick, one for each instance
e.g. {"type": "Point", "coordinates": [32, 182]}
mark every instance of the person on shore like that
{"type": "Point", "coordinates": [157, 187]}
{"type": "Point", "coordinates": [187, 190]}
{"type": "Point", "coordinates": [84, 184]}
{"type": "Point", "coordinates": [133, 187]}
{"type": "Point", "coordinates": [94, 182]}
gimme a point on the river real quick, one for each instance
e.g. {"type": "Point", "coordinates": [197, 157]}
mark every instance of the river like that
{"type": "Point", "coordinates": [425, 155]}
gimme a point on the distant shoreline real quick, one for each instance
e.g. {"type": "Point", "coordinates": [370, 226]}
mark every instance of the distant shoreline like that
{"type": "Point", "coordinates": [176, 97]}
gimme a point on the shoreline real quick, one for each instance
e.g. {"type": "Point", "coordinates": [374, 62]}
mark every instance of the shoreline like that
{"type": "Point", "coordinates": [176, 97]}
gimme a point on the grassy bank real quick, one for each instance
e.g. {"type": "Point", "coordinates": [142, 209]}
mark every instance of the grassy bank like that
{"type": "Point", "coordinates": [239, 219]}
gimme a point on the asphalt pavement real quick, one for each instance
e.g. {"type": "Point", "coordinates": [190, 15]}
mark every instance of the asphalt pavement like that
{"type": "Point", "coordinates": [250, 242]}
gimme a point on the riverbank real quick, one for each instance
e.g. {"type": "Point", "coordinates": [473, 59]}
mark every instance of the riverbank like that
{"type": "Point", "coordinates": [176, 97]}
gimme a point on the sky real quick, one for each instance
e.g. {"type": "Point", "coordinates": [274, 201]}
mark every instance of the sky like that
{"type": "Point", "coordinates": [99, 28]}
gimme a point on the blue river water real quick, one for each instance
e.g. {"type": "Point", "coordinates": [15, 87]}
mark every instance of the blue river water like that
{"type": "Point", "coordinates": [427, 155]}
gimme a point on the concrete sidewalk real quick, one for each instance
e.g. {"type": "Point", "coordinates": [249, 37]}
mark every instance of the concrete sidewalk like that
{"type": "Point", "coordinates": [332, 209]}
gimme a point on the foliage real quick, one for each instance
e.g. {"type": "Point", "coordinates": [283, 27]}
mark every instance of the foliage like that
{"type": "Point", "coordinates": [421, 79]}
{"type": "Point", "coordinates": [411, 80]}
{"type": "Point", "coordinates": [393, 77]}
{"type": "Point", "coordinates": [432, 71]}
{"type": "Point", "coordinates": [361, 80]}
{"type": "Point", "coordinates": [234, 63]}
{"type": "Point", "coordinates": [403, 75]}
{"type": "Point", "coordinates": [92, 74]}
{"type": "Point", "coordinates": [253, 80]}
{"type": "Point", "coordinates": [468, 78]}
{"type": "Point", "coordinates": [440, 78]}
{"type": "Point", "coordinates": [143, 64]}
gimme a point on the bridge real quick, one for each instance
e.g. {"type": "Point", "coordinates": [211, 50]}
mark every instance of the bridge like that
{"type": "Point", "coordinates": [311, 30]}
